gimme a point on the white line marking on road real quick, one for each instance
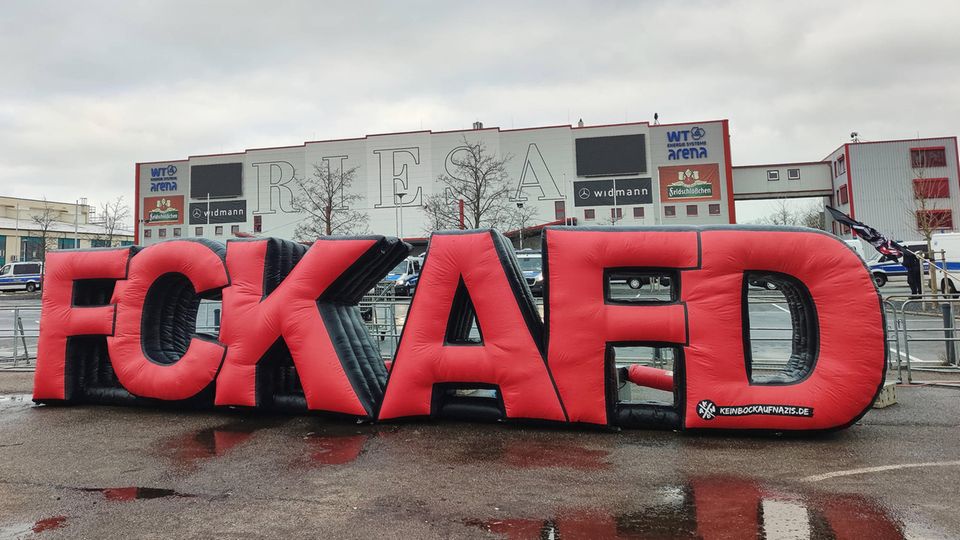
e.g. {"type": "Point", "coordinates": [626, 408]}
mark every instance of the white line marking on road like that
{"type": "Point", "coordinates": [865, 470]}
{"type": "Point", "coordinates": [783, 309]}
{"type": "Point", "coordinates": [905, 355]}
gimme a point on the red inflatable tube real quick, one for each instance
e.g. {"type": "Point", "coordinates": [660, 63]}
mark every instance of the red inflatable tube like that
{"type": "Point", "coordinates": [660, 379]}
{"type": "Point", "coordinates": [161, 274]}
{"type": "Point", "coordinates": [61, 318]}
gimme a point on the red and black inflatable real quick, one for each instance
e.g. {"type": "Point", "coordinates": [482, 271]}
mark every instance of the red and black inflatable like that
{"type": "Point", "coordinates": [119, 326]}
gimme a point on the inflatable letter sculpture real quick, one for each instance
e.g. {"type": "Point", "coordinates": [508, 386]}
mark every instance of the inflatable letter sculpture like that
{"type": "Point", "coordinates": [119, 325]}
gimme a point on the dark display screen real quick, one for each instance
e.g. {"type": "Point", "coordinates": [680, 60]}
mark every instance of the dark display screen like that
{"type": "Point", "coordinates": [219, 181]}
{"type": "Point", "coordinates": [619, 154]}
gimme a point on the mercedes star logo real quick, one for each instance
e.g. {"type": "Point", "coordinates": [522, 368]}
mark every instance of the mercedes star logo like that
{"type": "Point", "coordinates": [584, 193]}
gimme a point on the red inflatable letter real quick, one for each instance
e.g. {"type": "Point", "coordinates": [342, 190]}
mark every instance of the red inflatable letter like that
{"type": "Point", "coordinates": [477, 266]}
{"type": "Point", "coordinates": [154, 350]}
{"type": "Point", "coordinates": [582, 321]}
{"type": "Point", "coordinates": [63, 315]}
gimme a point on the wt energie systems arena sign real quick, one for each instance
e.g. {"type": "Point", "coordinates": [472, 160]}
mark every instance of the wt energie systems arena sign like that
{"type": "Point", "coordinates": [118, 326]}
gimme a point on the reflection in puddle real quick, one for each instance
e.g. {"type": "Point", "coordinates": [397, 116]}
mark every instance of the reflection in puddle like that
{"type": "Point", "coordinates": [335, 449]}
{"type": "Point", "coordinates": [135, 493]}
{"type": "Point", "coordinates": [719, 507]}
{"type": "Point", "coordinates": [16, 402]}
{"type": "Point", "coordinates": [187, 449]}
{"type": "Point", "coordinates": [529, 455]}
{"type": "Point", "coordinates": [49, 524]}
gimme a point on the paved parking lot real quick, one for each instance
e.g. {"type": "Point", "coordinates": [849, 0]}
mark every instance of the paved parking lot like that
{"type": "Point", "coordinates": [109, 472]}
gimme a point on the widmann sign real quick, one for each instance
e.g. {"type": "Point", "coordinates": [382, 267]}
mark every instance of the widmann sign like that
{"type": "Point", "coordinates": [118, 326]}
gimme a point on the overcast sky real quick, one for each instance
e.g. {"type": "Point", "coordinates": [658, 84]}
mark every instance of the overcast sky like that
{"type": "Point", "coordinates": [90, 88]}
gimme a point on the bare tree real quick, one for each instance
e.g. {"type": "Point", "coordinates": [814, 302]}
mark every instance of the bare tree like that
{"type": "Point", "coordinates": [924, 215]}
{"type": "Point", "coordinates": [112, 217]}
{"type": "Point", "coordinates": [478, 177]}
{"type": "Point", "coordinates": [521, 217]}
{"type": "Point", "coordinates": [326, 198]}
{"type": "Point", "coordinates": [781, 215]}
{"type": "Point", "coordinates": [442, 211]}
{"type": "Point", "coordinates": [812, 217]}
{"type": "Point", "coordinates": [44, 221]}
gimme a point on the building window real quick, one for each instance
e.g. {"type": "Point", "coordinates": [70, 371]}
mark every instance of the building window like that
{"type": "Point", "coordinates": [840, 166]}
{"type": "Point", "coordinates": [257, 223]}
{"type": "Point", "coordinates": [31, 248]}
{"type": "Point", "coordinates": [638, 212]}
{"type": "Point", "coordinates": [147, 233]}
{"type": "Point", "coordinates": [793, 174]}
{"type": "Point", "coordinates": [934, 220]}
{"type": "Point", "coordinates": [66, 243]}
{"type": "Point", "coordinates": [234, 229]}
{"type": "Point", "coordinates": [843, 195]}
{"type": "Point", "coordinates": [921, 158]}
{"type": "Point", "coordinates": [931, 188]}
{"type": "Point", "coordinates": [162, 233]}
{"type": "Point", "coordinates": [559, 210]}
{"type": "Point", "coordinates": [218, 230]}
{"type": "Point", "coordinates": [715, 209]}
{"type": "Point", "coordinates": [692, 210]}
{"type": "Point", "coordinates": [198, 231]}
{"type": "Point", "coordinates": [616, 213]}
{"type": "Point", "coordinates": [773, 175]}
{"type": "Point", "coordinates": [103, 242]}
{"type": "Point", "coordinates": [176, 231]}
{"type": "Point", "coordinates": [670, 211]}
{"type": "Point", "coordinates": [589, 214]}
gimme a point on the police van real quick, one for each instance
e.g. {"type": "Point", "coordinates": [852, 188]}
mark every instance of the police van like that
{"type": "Point", "coordinates": [21, 276]}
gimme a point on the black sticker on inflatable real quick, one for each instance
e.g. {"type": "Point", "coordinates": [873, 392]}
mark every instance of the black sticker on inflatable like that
{"type": "Point", "coordinates": [709, 410]}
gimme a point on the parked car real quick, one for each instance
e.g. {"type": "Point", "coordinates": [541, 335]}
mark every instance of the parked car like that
{"type": "Point", "coordinates": [531, 264]}
{"type": "Point", "coordinates": [21, 276]}
{"type": "Point", "coordinates": [894, 271]}
{"type": "Point", "coordinates": [405, 275]}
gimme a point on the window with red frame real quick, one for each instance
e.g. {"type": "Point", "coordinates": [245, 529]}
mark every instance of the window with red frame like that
{"type": "Point", "coordinates": [560, 210]}
{"type": "Point", "coordinates": [934, 219]}
{"type": "Point", "coordinates": [844, 199]}
{"type": "Point", "coordinates": [714, 209]}
{"type": "Point", "coordinates": [670, 211]}
{"type": "Point", "coordinates": [921, 158]}
{"type": "Point", "coordinates": [692, 210]}
{"type": "Point", "coordinates": [931, 188]}
{"type": "Point", "coordinates": [589, 214]}
{"type": "Point", "coordinates": [616, 213]}
{"type": "Point", "coordinates": [840, 166]}
{"type": "Point", "coordinates": [638, 212]}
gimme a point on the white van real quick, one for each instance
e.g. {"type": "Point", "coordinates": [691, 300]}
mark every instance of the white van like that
{"type": "Point", "coordinates": [21, 276]}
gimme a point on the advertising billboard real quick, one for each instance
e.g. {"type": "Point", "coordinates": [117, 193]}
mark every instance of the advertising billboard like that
{"type": "Point", "coordinates": [690, 182]}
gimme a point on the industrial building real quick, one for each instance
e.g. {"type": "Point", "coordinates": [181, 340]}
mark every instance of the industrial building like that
{"type": "Point", "coordinates": [30, 227]}
{"type": "Point", "coordinates": [612, 175]}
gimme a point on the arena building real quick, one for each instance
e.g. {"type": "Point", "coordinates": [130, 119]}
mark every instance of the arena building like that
{"type": "Point", "coordinates": [620, 174]}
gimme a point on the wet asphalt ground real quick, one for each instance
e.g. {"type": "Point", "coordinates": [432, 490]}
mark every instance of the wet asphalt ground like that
{"type": "Point", "coordinates": [111, 472]}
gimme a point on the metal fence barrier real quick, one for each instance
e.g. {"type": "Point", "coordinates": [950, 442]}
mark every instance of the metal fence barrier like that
{"type": "Point", "coordinates": [916, 325]}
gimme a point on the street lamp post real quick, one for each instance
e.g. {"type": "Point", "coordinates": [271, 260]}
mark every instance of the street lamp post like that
{"type": "Point", "coordinates": [401, 192]}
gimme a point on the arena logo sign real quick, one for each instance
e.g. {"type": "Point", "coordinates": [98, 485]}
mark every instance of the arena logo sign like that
{"type": "Point", "coordinates": [163, 178]}
{"type": "Point", "coordinates": [687, 144]}
{"type": "Point", "coordinates": [119, 326]}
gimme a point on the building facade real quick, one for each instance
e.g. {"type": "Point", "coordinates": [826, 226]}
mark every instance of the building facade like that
{"type": "Point", "coordinates": [624, 174]}
{"type": "Point", "coordinates": [29, 228]}
{"type": "Point", "coordinates": [897, 186]}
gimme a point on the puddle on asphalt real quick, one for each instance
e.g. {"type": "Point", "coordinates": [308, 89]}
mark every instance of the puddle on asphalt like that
{"type": "Point", "coordinates": [526, 454]}
{"type": "Point", "coordinates": [49, 524]}
{"type": "Point", "coordinates": [187, 449]}
{"type": "Point", "coordinates": [335, 449]}
{"type": "Point", "coordinates": [720, 507]}
{"type": "Point", "coordinates": [135, 493]}
{"type": "Point", "coordinates": [16, 402]}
